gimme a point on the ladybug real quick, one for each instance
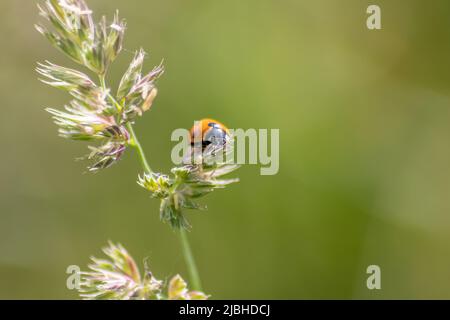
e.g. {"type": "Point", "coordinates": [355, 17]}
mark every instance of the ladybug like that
{"type": "Point", "coordinates": [209, 132]}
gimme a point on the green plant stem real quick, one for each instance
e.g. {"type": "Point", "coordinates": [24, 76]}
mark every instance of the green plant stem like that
{"type": "Point", "coordinates": [102, 78]}
{"type": "Point", "coordinates": [190, 262]}
{"type": "Point", "coordinates": [186, 248]}
{"type": "Point", "coordinates": [134, 142]}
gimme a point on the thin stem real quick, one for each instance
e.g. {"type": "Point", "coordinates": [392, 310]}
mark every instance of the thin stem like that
{"type": "Point", "coordinates": [190, 262]}
{"type": "Point", "coordinates": [187, 252]}
{"type": "Point", "coordinates": [134, 142]}
{"type": "Point", "coordinates": [102, 81]}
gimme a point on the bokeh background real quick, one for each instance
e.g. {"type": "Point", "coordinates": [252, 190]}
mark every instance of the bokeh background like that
{"type": "Point", "coordinates": [364, 164]}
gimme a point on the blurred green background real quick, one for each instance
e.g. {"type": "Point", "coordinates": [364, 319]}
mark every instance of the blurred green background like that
{"type": "Point", "coordinates": [364, 165]}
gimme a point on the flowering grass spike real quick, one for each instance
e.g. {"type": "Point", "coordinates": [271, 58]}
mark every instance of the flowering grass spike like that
{"type": "Point", "coordinates": [104, 116]}
{"type": "Point", "coordinates": [188, 183]}
{"type": "Point", "coordinates": [94, 113]}
{"type": "Point", "coordinates": [95, 46]}
{"type": "Point", "coordinates": [118, 278]}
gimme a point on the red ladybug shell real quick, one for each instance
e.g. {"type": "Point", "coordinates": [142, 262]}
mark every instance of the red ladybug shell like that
{"type": "Point", "coordinates": [209, 130]}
